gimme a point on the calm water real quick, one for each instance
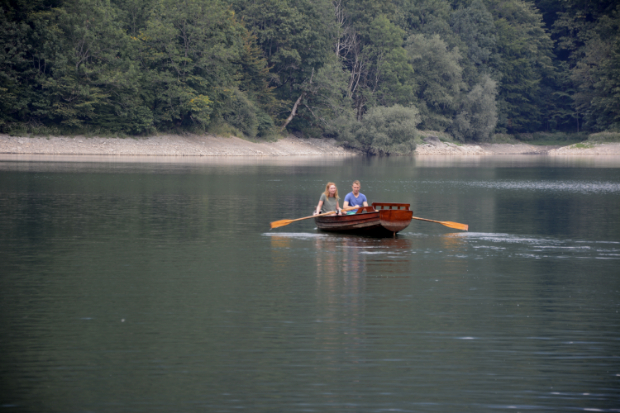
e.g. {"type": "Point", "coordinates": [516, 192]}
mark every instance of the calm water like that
{"type": "Point", "coordinates": [158, 287]}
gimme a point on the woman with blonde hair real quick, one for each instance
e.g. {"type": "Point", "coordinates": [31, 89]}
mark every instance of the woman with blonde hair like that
{"type": "Point", "coordinates": [329, 200]}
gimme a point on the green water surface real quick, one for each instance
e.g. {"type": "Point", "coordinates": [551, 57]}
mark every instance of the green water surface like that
{"type": "Point", "coordinates": [148, 286]}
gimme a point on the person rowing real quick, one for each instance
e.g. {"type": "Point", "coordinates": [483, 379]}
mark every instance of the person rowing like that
{"type": "Point", "coordinates": [355, 198]}
{"type": "Point", "coordinates": [329, 200]}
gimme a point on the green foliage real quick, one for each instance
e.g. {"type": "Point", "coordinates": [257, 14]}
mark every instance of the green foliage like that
{"type": "Point", "coordinates": [442, 136]}
{"type": "Point", "coordinates": [553, 138]}
{"type": "Point", "coordinates": [583, 145]}
{"type": "Point", "coordinates": [424, 17]}
{"type": "Point", "coordinates": [247, 117]}
{"type": "Point", "coordinates": [439, 79]}
{"type": "Point", "coordinates": [597, 74]}
{"type": "Point", "coordinates": [327, 104]}
{"type": "Point", "coordinates": [316, 67]}
{"type": "Point", "coordinates": [221, 128]}
{"type": "Point", "coordinates": [525, 52]}
{"type": "Point", "coordinates": [478, 114]}
{"type": "Point", "coordinates": [295, 39]}
{"type": "Point", "coordinates": [13, 41]}
{"type": "Point", "coordinates": [387, 131]}
{"type": "Point", "coordinates": [503, 138]}
{"type": "Point", "coordinates": [474, 25]}
{"type": "Point", "coordinates": [477, 37]}
{"type": "Point", "coordinates": [602, 137]}
{"type": "Point", "coordinates": [189, 48]}
{"type": "Point", "coordinates": [371, 48]}
{"type": "Point", "coordinates": [92, 80]}
{"type": "Point", "coordinates": [588, 36]}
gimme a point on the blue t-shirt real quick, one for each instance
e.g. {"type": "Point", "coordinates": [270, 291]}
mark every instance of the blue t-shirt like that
{"type": "Point", "coordinates": [353, 201]}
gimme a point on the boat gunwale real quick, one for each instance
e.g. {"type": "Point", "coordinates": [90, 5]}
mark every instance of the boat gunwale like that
{"type": "Point", "coordinates": [368, 222]}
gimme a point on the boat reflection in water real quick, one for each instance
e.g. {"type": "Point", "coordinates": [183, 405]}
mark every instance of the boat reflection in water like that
{"type": "Point", "coordinates": [356, 256]}
{"type": "Point", "coordinates": [363, 287]}
{"type": "Point", "coordinates": [349, 270]}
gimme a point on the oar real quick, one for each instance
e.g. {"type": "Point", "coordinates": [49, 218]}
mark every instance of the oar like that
{"type": "Point", "coordinates": [283, 222]}
{"type": "Point", "coordinates": [455, 225]}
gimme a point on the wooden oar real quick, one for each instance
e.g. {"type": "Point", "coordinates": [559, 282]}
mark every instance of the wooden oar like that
{"type": "Point", "coordinates": [283, 222]}
{"type": "Point", "coordinates": [455, 225]}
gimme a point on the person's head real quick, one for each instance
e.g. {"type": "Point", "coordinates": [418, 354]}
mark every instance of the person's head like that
{"type": "Point", "coordinates": [356, 187]}
{"type": "Point", "coordinates": [331, 190]}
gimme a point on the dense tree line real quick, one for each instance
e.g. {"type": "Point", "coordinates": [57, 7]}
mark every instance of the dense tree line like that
{"type": "Point", "coordinates": [367, 72]}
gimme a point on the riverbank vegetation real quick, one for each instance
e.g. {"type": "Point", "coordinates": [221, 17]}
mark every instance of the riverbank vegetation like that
{"type": "Point", "coordinates": [369, 73]}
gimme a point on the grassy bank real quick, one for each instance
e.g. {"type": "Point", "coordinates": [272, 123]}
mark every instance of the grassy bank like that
{"type": "Point", "coordinates": [557, 138]}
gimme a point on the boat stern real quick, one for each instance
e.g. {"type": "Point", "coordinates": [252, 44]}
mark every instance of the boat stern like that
{"type": "Point", "coordinates": [393, 217]}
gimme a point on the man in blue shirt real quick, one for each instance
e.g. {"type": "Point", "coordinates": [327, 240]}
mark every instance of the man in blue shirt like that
{"type": "Point", "coordinates": [354, 198]}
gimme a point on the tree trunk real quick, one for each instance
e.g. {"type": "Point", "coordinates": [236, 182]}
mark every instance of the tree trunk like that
{"type": "Point", "coordinates": [293, 112]}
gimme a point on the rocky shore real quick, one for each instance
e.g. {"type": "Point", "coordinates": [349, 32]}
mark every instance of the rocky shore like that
{"type": "Point", "coordinates": [433, 146]}
{"type": "Point", "coordinates": [588, 149]}
{"type": "Point", "coordinates": [169, 145]}
{"type": "Point", "coordinates": [208, 145]}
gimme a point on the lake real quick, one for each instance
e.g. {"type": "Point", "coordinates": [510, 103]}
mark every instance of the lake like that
{"type": "Point", "coordinates": [156, 285]}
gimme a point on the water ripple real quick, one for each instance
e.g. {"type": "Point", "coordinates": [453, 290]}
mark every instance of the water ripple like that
{"type": "Point", "coordinates": [583, 187]}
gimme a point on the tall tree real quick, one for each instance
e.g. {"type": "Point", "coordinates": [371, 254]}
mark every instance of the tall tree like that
{"type": "Point", "coordinates": [439, 80]}
{"type": "Point", "coordinates": [477, 34]}
{"type": "Point", "coordinates": [295, 38]}
{"type": "Point", "coordinates": [24, 30]}
{"type": "Point", "coordinates": [524, 60]}
{"type": "Point", "coordinates": [597, 75]}
{"type": "Point", "coordinates": [92, 80]}
{"type": "Point", "coordinates": [588, 37]}
{"type": "Point", "coordinates": [428, 17]}
{"type": "Point", "coordinates": [478, 115]}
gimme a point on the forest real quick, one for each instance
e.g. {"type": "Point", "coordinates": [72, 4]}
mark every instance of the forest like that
{"type": "Point", "coordinates": [369, 73]}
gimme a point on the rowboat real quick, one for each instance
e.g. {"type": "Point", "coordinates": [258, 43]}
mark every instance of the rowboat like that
{"type": "Point", "coordinates": [380, 219]}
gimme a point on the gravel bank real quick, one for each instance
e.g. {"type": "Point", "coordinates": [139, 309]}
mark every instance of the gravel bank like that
{"type": "Point", "coordinates": [208, 145]}
{"type": "Point", "coordinates": [169, 145]}
{"type": "Point", "coordinates": [436, 147]}
{"type": "Point", "coordinates": [517, 149]}
{"type": "Point", "coordinates": [433, 146]}
{"type": "Point", "coordinates": [587, 149]}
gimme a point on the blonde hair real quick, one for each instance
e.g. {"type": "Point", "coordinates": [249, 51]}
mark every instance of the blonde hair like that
{"type": "Point", "coordinates": [356, 183]}
{"type": "Point", "coordinates": [327, 190]}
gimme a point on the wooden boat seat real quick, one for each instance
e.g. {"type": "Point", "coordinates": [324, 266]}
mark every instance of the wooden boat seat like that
{"type": "Point", "coordinates": [365, 209]}
{"type": "Point", "coordinates": [389, 205]}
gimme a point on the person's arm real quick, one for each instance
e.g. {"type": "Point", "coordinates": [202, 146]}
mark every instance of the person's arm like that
{"type": "Point", "coordinates": [365, 203]}
{"type": "Point", "coordinates": [346, 201]}
{"type": "Point", "coordinates": [318, 208]}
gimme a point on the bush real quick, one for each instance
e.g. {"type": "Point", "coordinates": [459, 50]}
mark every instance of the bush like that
{"type": "Point", "coordinates": [246, 118]}
{"type": "Point", "coordinates": [604, 137]}
{"type": "Point", "coordinates": [223, 129]}
{"type": "Point", "coordinates": [478, 115]}
{"type": "Point", "coordinates": [266, 128]}
{"type": "Point", "coordinates": [241, 114]}
{"type": "Point", "coordinates": [387, 130]}
{"type": "Point", "coordinates": [503, 138]}
{"type": "Point", "coordinates": [551, 138]}
{"type": "Point", "coordinates": [442, 136]}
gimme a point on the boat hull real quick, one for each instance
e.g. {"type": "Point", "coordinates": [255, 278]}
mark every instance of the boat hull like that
{"type": "Point", "coordinates": [369, 221]}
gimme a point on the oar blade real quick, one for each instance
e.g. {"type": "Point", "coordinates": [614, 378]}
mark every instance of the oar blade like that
{"type": "Point", "coordinates": [280, 223]}
{"type": "Point", "coordinates": [455, 225]}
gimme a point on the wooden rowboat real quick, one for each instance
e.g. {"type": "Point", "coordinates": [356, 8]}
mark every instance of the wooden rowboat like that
{"type": "Point", "coordinates": [380, 219]}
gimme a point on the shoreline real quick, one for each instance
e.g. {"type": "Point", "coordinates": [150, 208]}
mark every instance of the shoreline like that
{"type": "Point", "coordinates": [168, 145]}
{"type": "Point", "coordinates": [291, 146]}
